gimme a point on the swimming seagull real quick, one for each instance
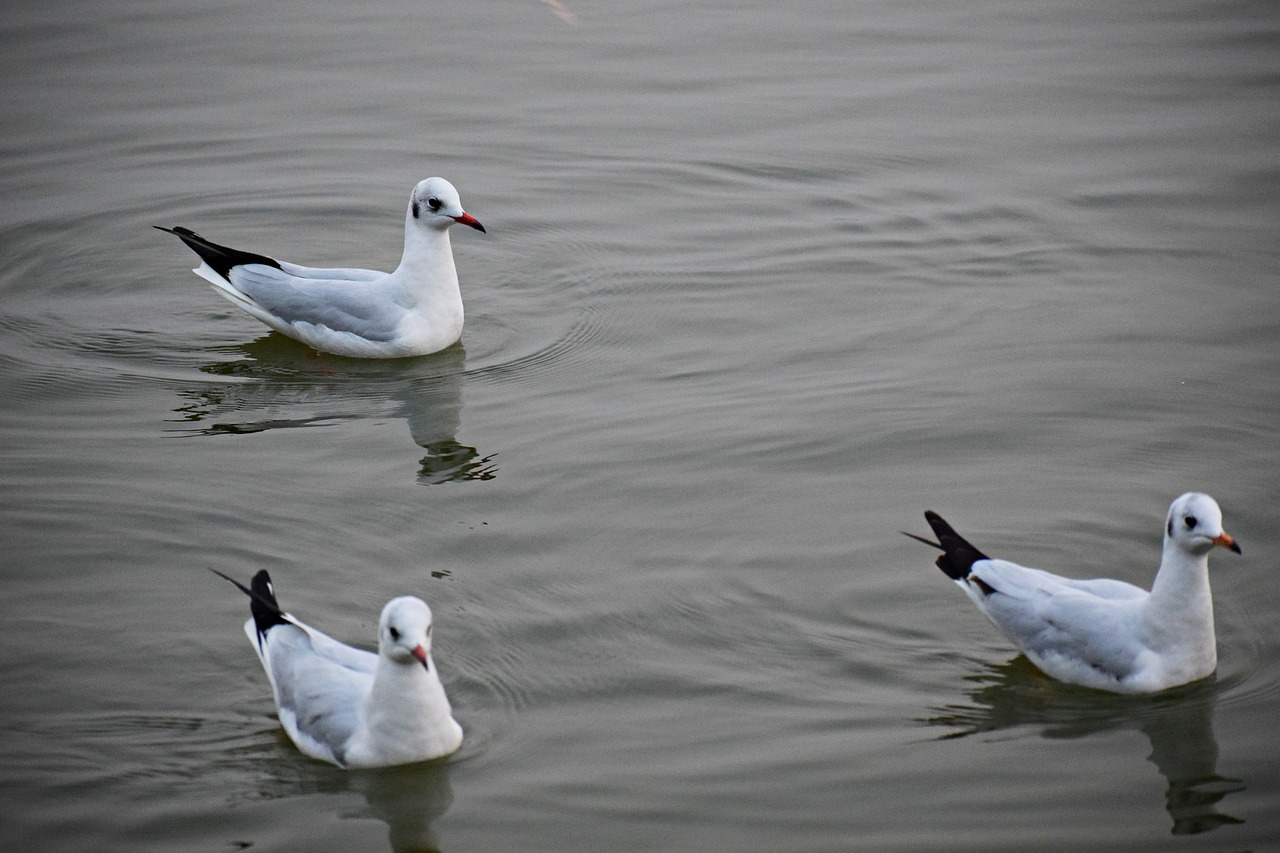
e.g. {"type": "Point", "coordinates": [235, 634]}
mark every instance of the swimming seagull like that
{"type": "Point", "coordinates": [350, 707]}
{"type": "Point", "coordinates": [1105, 634]}
{"type": "Point", "coordinates": [415, 310]}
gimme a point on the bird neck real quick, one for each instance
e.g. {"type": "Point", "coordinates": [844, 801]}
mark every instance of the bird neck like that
{"type": "Point", "coordinates": [406, 717]}
{"type": "Point", "coordinates": [1180, 609]}
{"type": "Point", "coordinates": [406, 696]}
{"type": "Point", "coordinates": [428, 256]}
{"type": "Point", "coordinates": [426, 285]}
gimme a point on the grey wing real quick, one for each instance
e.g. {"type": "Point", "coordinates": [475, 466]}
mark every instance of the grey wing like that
{"type": "Point", "coordinates": [1107, 588]}
{"type": "Point", "coordinates": [340, 653]}
{"type": "Point", "coordinates": [343, 305]}
{"type": "Point", "coordinates": [1023, 582]}
{"type": "Point", "coordinates": [331, 273]}
{"type": "Point", "coordinates": [1084, 623]}
{"type": "Point", "coordinates": [319, 697]}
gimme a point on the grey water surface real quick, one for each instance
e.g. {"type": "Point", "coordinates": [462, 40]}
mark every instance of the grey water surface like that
{"type": "Point", "coordinates": [762, 282]}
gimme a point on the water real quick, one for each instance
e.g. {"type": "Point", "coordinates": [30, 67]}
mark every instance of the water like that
{"type": "Point", "coordinates": [762, 282]}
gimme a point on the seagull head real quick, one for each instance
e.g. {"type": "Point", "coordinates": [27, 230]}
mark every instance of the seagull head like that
{"type": "Point", "coordinates": [1195, 525]}
{"type": "Point", "coordinates": [435, 204]}
{"type": "Point", "coordinates": [404, 631]}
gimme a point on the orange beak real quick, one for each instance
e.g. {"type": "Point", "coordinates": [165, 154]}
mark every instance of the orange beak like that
{"type": "Point", "coordinates": [1226, 541]}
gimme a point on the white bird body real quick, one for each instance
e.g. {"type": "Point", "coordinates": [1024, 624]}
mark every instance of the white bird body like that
{"type": "Point", "coordinates": [351, 707]}
{"type": "Point", "coordinates": [1103, 633]}
{"type": "Point", "coordinates": [415, 310]}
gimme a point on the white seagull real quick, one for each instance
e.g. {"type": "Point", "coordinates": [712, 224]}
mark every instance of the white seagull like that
{"type": "Point", "coordinates": [350, 707]}
{"type": "Point", "coordinates": [1105, 634]}
{"type": "Point", "coordinates": [415, 310]}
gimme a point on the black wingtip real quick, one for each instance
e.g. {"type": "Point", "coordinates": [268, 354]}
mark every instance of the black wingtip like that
{"type": "Point", "coordinates": [227, 577]}
{"type": "Point", "coordinates": [928, 542]}
{"type": "Point", "coordinates": [262, 601]}
{"type": "Point", "coordinates": [220, 258]}
{"type": "Point", "coordinates": [958, 554]}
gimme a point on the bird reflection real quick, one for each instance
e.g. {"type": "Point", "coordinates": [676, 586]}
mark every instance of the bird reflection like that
{"type": "Point", "coordinates": [408, 799]}
{"type": "Point", "coordinates": [1178, 724]}
{"type": "Point", "coordinates": [279, 378]}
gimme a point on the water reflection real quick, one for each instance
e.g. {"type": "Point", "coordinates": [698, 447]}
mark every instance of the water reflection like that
{"type": "Point", "coordinates": [89, 768]}
{"type": "Point", "coordinates": [288, 386]}
{"type": "Point", "coordinates": [409, 799]}
{"type": "Point", "coordinates": [1178, 724]}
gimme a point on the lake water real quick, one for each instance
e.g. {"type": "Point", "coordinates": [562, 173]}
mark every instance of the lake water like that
{"type": "Point", "coordinates": [762, 282]}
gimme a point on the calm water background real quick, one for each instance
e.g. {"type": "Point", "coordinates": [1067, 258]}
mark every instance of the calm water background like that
{"type": "Point", "coordinates": [762, 282]}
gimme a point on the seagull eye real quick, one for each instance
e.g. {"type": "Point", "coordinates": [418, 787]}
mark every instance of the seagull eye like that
{"type": "Point", "coordinates": [1191, 522]}
{"type": "Point", "coordinates": [394, 632]}
{"type": "Point", "coordinates": [433, 203]}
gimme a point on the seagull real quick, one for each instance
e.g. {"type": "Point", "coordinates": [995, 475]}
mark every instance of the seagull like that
{"type": "Point", "coordinates": [415, 310]}
{"type": "Point", "coordinates": [347, 706]}
{"type": "Point", "coordinates": [1105, 634]}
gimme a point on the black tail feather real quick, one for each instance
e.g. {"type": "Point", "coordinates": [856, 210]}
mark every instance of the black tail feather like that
{"type": "Point", "coordinates": [958, 554]}
{"type": "Point", "coordinates": [220, 258]}
{"type": "Point", "coordinates": [262, 602]}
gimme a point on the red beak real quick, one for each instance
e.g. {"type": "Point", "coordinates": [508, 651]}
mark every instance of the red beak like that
{"type": "Point", "coordinates": [421, 654]}
{"type": "Point", "coordinates": [468, 219]}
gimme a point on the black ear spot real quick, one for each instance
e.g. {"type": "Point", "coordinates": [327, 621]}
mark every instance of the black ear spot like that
{"type": "Point", "coordinates": [415, 208]}
{"type": "Point", "coordinates": [1169, 528]}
